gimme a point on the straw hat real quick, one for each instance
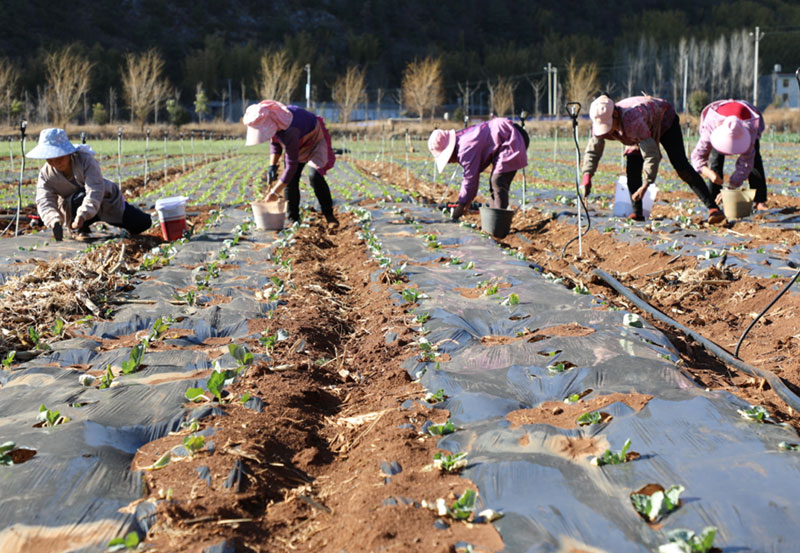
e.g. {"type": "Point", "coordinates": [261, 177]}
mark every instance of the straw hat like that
{"type": "Point", "coordinates": [52, 143]}
{"type": "Point", "coordinates": [601, 113]}
{"type": "Point", "coordinates": [264, 119]}
{"type": "Point", "coordinates": [441, 144]}
{"type": "Point", "coordinates": [731, 137]}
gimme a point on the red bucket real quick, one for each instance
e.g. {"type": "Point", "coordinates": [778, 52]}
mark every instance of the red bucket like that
{"type": "Point", "coordinates": [172, 214]}
{"type": "Point", "coordinates": [173, 230]}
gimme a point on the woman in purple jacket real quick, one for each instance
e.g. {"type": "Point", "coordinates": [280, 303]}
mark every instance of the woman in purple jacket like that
{"type": "Point", "coordinates": [498, 142]}
{"type": "Point", "coordinates": [731, 127]}
{"type": "Point", "coordinates": [305, 140]}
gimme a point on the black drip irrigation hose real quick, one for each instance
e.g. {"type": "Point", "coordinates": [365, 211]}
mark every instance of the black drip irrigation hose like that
{"type": "Point", "coordinates": [776, 298]}
{"type": "Point", "coordinates": [577, 182]}
{"type": "Point", "coordinates": [717, 351]}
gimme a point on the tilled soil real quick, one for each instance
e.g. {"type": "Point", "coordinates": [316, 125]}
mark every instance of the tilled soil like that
{"type": "Point", "coordinates": [335, 460]}
{"type": "Point", "coordinates": [718, 303]}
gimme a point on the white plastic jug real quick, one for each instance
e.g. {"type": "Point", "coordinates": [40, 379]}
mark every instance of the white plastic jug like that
{"type": "Point", "coordinates": [622, 199]}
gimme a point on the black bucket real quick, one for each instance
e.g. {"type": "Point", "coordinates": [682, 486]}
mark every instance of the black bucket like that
{"type": "Point", "coordinates": [495, 221]}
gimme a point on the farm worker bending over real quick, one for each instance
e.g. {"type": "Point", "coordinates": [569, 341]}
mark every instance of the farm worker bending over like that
{"type": "Point", "coordinates": [305, 140]}
{"type": "Point", "coordinates": [497, 141]}
{"type": "Point", "coordinates": [731, 127]}
{"type": "Point", "coordinates": [641, 123]}
{"type": "Point", "coordinates": [71, 190]}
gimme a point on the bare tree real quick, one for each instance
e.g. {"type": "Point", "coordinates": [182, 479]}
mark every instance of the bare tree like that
{"type": "Point", "coordinates": [68, 78]}
{"type": "Point", "coordinates": [141, 81]}
{"type": "Point", "coordinates": [582, 82]}
{"type": "Point", "coordinates": [719, 69]}
{"type": "Point", "coordinates": [501, 96]}
{"type": "Point", "coordinates": [422, 86]}
{"type": "Point", "coordinates": [348, 91]}
{"type": "Point", "coordinates": [279, 76]}
{"type": "Point", "coordinates": [537, 86]}
{"type": "Point", "coordinates": [161, 93]}
{"type": "Point", "coordinates": [466, 95]}
{"type": "Point", "coordinates": [8, 85]}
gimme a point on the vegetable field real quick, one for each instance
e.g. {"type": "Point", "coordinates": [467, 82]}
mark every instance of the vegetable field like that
{"type": "Point", "coordinates": [401, 382]}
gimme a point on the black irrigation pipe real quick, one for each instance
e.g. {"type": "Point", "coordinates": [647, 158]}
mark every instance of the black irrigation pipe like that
{"type": "Point", "coordinates": [717, 351]}
{"type": "Point", "coordinates": [573, 109]}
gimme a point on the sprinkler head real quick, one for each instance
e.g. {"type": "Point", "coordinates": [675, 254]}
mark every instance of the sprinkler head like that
{"type": "Point", "coordinates": [83, 137]}
{"type": "Point", "coordinates": [573, 109]}
{"type": "Point", "coordinates": [523, 115]}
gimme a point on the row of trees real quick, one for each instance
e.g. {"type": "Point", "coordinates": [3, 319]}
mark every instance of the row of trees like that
{"type": "Point", "coordinates": [721, 67]}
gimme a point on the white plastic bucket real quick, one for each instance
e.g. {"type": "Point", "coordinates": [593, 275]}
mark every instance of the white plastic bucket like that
{"type": "Point", "coordinates": [269, 215]}
{"type": "Point", "coordinates": [622, 199]}
{"type": "Point", "coordinates": [172, 215]}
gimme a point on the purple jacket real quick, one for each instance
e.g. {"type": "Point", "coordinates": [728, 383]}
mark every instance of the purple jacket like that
{"type": "Point", "coordinates": [303, 122]}
{"type": "Point", "coordinates": [710, 120]}
{"type": "Point", "coordinates": [495, 141]}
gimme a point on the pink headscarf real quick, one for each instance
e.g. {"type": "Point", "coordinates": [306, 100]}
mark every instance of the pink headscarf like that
{"type": "Point", "coordinates": [264, 119]}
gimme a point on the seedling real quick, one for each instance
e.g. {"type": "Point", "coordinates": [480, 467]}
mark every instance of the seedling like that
{"type": "Point", "coordinates": [653, 507]}
{"type": "Point", "coordinates": [611, 458]}
{"type": "Point", "coordinates": [107, 378]}
{"type": "Point", "coordinates": [789, 446]}
{"type": "Point", "coordinates": [465, 506]}
{"type": "Point", "coordinates": [581, 289]}
{"type": "Point", "coordinates": [558, 367]}
{"type": "Point", "coordinates": [160, 326]}
{"type": "Point", "coordinates": [436, 397]}
{"type": "Point", "coordinates": [36, 338]}
{"type": "Point", "coordinates": [450, 463]}
{"type": "Point", "coordinates": [755, 413]}
{"type": "Point", "coordinates": [632, 319]}
{"type": "Point", "coordinates": [58, 327]}
{"type": "Point", "coordinates": [130, 541]}
{"type": "Point", "coordinates": [593, 417]}
{"type": "Point", "coordinates": [245, 398]}
{"type": "Point", "coordinates": [51, 418]}
{"type": "Point", "coordinates": [243, 356]}
{"type": "Point", "coordinates": [189, 297]}
{"type": "Point", "coordinates": [5, 453]}
{"type": "Point", "coordinates": [194, 443]}
{"type": "Point", "coordinates": [9, 359]}
{"type": "Point", "coordinates": [422, 317]}
{"type": "Point", "coordinates": [686, 541]}
{"type": "Point", "coordinates": [572, 398]}
{"type": "Point", "coordinates": [442, 429]}
{"type": "Point", "coordinates": [412, 295]}
{"type": "Point", "coordinates": [214, 387]}
{"type": "Point", "coordinates": [268, 341]}
{"type": "Point", "coordinates": [131, 365]}
{"type": "Point", "coordinates": [512, 299]}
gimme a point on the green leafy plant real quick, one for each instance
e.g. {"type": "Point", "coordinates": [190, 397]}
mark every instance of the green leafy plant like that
{"type": "Point", "coordinates": [789, 446]}
{"type": "Point", "coordinates": [194, 443]}
{"type": "Point", "coordinates": [190, 298]}
{"type": "Point", "coordinates": [593, 417]}
{"type": "Point", "coordinates": [214, 387]}
{"type": "Point", "coordinates": [130, 541]}
{"type": "Point", "coordinates": [632, 319]}
{"type": "Point", "coordinates": [435, 397]}
{"type": "Point", "coordinates": [58, 327]}
{"type": "Point", "coordinates": [422, 317]}
{"type": "Point", "coordinates": [611, 458]}
{"type": "Point", "coordinates": [107, 378]}
{"type": "Point", "coordinates": [9, 359]}
{"type": "Point", "coordinates": [131, 365]}
{"type": "Point", "coordinates": [243, 356]}
{"type": "Point", "coordinates": [442, 429]}
{"type": "Point", "coordinates": [51, 418]}
{"type": "Point", "coordinates": [245, 398]}
{"type": "Point", "coordinates": [572, 398]}
{"type": "Point", "coordinates": [754, 413]}
{"type": "Point", "coordinates": [36, 338]}
{"type": "Point", "coordinates": [686, 541]}
{"type": "Point", "coordinates": [464, 506]}
{"type": "Point", "coordinates": [660, 503]}
{"type": "Point", "coordinates": [558, 367]}
{"type": "Point", "coordinates": [268, 341]}
{"type": "Point", "coordinates": [160, 326]}
{"type": "Point", "coordinates": [5, 453]}
{"type": "Point", "coordinates": [491, 290]}
{"type": "Point", "coordinates": [412, 295]}
{"type": "Point", "coordinates": [450, 463]}
{"type": "Point", "coordinates": [512, 299]}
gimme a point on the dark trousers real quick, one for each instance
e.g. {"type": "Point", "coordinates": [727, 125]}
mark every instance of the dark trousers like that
{"type": "Point", "coordinates": [134, 220]}
{"type": "Point", "coordinates": [292, 194]}
{"type": "Point", "coordinates": [672, 141]}
{"type": "Point", "coordinates": [501, 184]}
{"type": "Point", "coordinates": [757, 180]}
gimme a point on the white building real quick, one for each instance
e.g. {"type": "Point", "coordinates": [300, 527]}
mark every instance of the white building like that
{"type": "Point", "coordinates": [785, 89]}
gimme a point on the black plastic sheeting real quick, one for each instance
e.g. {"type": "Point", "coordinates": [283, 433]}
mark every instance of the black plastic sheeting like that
{"type": "Point", "coordinates": [736, 477]}
{"type": "Point", "coordinates": [69, 495]}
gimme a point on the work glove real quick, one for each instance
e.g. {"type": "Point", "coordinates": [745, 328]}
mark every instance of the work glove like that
{"type": "Point", "coordinates": [58, 232]}
{"type": "Point", "coordinates": [458, 211]}
{"type": "Point", "coordinates": [272, 173]}
{"type": "Point", "coordinates": [586, 185]}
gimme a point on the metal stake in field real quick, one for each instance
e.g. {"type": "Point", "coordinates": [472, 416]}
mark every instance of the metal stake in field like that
{"type": "Point", "coordinates": [408, 145]}
{"type": "Point", "coordinates": [205, 148]}
{"type": "Point", "coordinates": [11, 151]}
{"type": "Point", "coordinates": [192, 145]}
{"type": "Point", "coordinates": [146, 157]}
{"type": "Point", "coordinates": [119, 154]}
{"type": "Point", "coordinates": [22, 126]}
{"type": "Point", "coordinates": [555, 143]}
{"type": "Point", "coordinates": [183, 153]}
{"type": "Point", "coordinates": [165, 155]}
{"type": "Point", "coordinates": [523, 116]}
{"type": "Point", "coordinates": [573, 109]}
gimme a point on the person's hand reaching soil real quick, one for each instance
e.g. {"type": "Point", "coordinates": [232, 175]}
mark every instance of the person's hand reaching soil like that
{"type": "Point", "coordinates": [586, 185]}
{"type": "Point", "coordinates": [639, 194]}
{"type": "Point", "coordinates": [78, 222]}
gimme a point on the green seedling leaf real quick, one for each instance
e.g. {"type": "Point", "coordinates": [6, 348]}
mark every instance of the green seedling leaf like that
{"type": "Point", "coordinates": [195, 394]}
{"type": "Point", "coordinates": [611, 458]}
{"type": "Point", "coordinates": [572, 398]}
{"type": "Point", "coordinates": [241, 354]}
{"type": "Point", "coordinates": [754, 413]}
{"type": "Point", "coordinates": [51, 418]}
{"type": "Point", "coordinates": [686, 541]}
{"type": "Point", "coordinates": [245, 397]}
{"type": "Point", "coordinates": [789, 446]}
{"type": "Point", "coordinates": [422, 317]}
{"type": "Point", "coordinates": [435, 397]}
{"type": "Point", "coordinates": [161, 462]}
{"type": "Point", "coordinates": [450, 463]}
{"type": "Point", "coordinates": [465, 506]}
{"type": "Point", "coordinates": [131, 365]}
{"type": "Point", "coordinates": [442, 429]}
{"type": "Point", "coordinates": [654, 507]}
{"type": "Point", "coordinates": [194, 443]}
{"type": "Point", "coordinates": [130, 542]}
{"type": "Point", "coordinates": [9, 359]}
{"type": "Point", "coordinates": [5, 449]}
{"type": "Point", "coordinates": [632, 319]}
{"type": "Point", "coordinates": [58, 327]}
{"type": "Point", "coordinates": [557, 367]}
{"type": "Point", "coordinates": [593, 417]}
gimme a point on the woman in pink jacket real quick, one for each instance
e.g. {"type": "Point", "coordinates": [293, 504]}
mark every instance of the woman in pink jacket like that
{"type": "Point", "coordinates": [498, 142]}
{"type": "Point", "coordinates": [731, 127]}
{"type": "Point", "coordinates": [642, 123]}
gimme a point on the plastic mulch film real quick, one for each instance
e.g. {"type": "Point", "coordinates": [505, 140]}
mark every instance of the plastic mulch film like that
{"type": "Point", "coordinates": [533, 465]}
{"type": "Point", "coordinates": [74, 493]}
